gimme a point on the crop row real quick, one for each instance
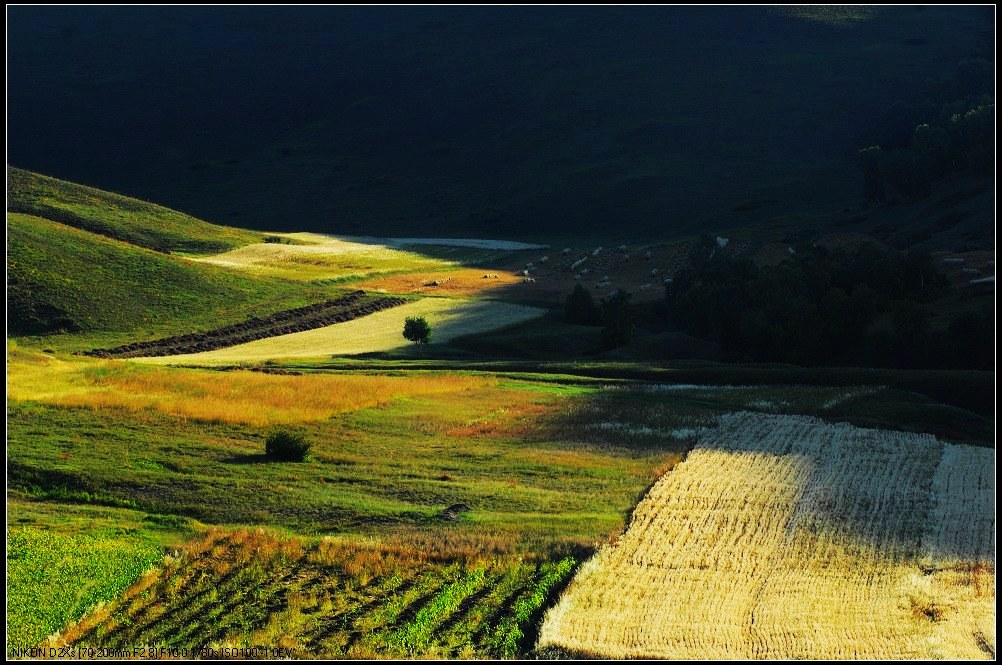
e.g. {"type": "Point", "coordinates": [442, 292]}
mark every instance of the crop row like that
{"type": "Point", "coordinates": [328, 600]}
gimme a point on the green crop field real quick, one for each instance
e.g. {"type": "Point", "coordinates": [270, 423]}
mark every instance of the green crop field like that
{"type": "Point", "coordinates": [53, 579]}
{"type": "Point", "coordinates": [333, 598]}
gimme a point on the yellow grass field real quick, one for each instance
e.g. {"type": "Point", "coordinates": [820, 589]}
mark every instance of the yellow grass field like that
{"type": "Point", "coordinates": [461, 283]}
{"type": "Point", "coordinates": [783, 537]}
{"type": "Point", "coordinates": [246, 397]}
{"type": "Point", "coordinates": [382, 331]}
{"type": "Point", "coordinates": [316, 256]}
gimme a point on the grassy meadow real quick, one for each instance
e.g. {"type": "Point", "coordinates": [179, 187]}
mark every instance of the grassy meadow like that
{"type": "Point", "coordinates": [64, 278]}
{"type": "Point", "coordinates": [351, 553]}
{"type": "Point", "coordinates": [162, 451]}
{"type": "Point", "coordinates": [386, 450]}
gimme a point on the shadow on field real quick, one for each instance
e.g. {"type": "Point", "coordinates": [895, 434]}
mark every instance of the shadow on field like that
{"type": "Point", "coordinates": [254, 458]}
{"type": "Point", "coordinates": [635, 420]}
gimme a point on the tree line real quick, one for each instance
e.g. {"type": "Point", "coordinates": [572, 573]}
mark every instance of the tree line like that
{"type": "Point", "coordinates": [862, 305]}
{"type": "Point", "coordinates": [951, 131]}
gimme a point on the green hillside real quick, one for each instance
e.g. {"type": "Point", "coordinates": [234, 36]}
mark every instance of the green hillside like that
{"type": "Point", "coordinates": [62, 278]}
{"type": "Point", "coordinates": [120, 217]}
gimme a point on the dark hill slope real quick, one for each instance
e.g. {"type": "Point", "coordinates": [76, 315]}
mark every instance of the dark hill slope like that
{"type": "Point", "coordinates": [483, 122]}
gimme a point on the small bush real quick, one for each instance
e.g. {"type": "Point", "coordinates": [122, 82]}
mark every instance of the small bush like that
{"type": "Point", "coordinates": [287, 446]}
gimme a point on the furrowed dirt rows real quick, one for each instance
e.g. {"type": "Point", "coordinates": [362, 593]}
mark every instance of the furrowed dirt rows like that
{"type": "Point", "coordinates": [784, 537]}
{"type": "Point", "coordinates": [328, 599]}
{"type": "Point", "coordinates": [352, 306]}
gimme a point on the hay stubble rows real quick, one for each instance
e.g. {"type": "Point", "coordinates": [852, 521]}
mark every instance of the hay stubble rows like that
{"type": "Point", "coordinates": [784, 537]}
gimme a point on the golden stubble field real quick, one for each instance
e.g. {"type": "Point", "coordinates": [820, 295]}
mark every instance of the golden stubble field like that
{"type": "Point", "coordinates": [785, 537]}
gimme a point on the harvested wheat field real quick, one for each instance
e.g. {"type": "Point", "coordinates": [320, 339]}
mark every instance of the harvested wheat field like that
{"type": "Point", "coordinates": [785, 537]}
{"type": "Point", "coordinates": [382, 331]}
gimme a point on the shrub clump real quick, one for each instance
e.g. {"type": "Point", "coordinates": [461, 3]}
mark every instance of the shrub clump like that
{"type": "Point", "coordinates": [287, 446]}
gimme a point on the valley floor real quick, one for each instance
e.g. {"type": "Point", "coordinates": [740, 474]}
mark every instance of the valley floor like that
{"type": "Point", "coordinates": [455, 492]}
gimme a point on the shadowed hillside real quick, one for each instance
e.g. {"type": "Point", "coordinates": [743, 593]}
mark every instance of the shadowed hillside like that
{"type": "Point", "coordinates": [488, 122]}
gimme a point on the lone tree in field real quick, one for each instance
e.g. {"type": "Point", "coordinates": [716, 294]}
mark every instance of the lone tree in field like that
{"type": "Point", "coordinates": [417, 330]}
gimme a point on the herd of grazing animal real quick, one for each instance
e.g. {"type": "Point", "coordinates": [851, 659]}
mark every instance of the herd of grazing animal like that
{"type": "Point", "coordinates": [602, 259]}
{"type": "Point", "coordinates": [605, 282]}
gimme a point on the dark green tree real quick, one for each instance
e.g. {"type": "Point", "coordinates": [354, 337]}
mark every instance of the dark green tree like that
{"type": "Point", "coordinates": [619, 320]}
{"type": "Point", "coordinates": [907, 172]}
{"type": "Point", "coordinates": [704, 249]}
{"type": "Point", "coordinates": [934, 144]}
{"type": "Point", "coordinates": [975, 136]}
{"type": "Point", "coordinates": [580, 308]}
{"type": "Point", "coordinates": [417, 330]}
{"type": "Point", "coordinates": [971, 338]}
{"type": "Point", "coordinates": [910, 329]}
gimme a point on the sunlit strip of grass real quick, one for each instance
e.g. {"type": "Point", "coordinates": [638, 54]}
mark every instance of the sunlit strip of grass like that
{"type": "Point", "coordinates": [233, 397]}
{"type": "Point", "coordinates": [380, 332]}
{"type": "Point", "coordinates": [323, 258]}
